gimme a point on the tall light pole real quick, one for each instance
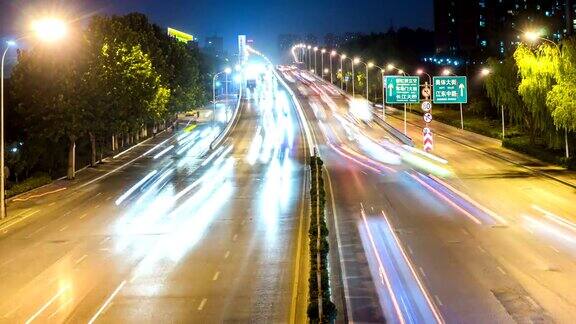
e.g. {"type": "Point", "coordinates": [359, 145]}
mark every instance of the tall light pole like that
{"type": "Point", "coordinates": [342, 58]}
{"type": "Point", "coordinates": [226, 71]}
{"type": "Point", "coordinates": [382, 73]}
{"type": "Point", "coordinates": [9, 44]}
{"type": "Point", "coordinates": [358, 61]}
{"type": "Point", "coordinates": [315, 60]}
{"type": "Point", "coordinates": [47, 30]}
{"type": "Point", "coordinates": [533, 36]}
{"type": "Point", "coordinates": [449, 72]}
{"type": "Point", "coordinates": [322, 60]}
{"type": "Point", "coordinates": [332, 54]}
{"type": "Point", "coordinates": [309, 57]}
{"type": "Point", "coordinates": [391, 67]}
{"type": "Point", "coordinates": [354, 62]}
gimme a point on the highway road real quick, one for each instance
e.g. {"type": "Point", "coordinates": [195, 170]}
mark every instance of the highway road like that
{"type": "Point", "coordinates": [458, 237]}
{"type": "Point", "coordinates": [180, 233]}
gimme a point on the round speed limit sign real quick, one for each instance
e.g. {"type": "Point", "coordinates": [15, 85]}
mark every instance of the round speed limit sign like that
{"type": "Point", "coordinates": [426, 106]}
{"type": "Point", "coordinates": [428, 117]}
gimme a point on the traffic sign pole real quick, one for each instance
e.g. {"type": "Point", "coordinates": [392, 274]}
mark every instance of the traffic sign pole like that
{"type": "Point", "coordinates": [461, 117]}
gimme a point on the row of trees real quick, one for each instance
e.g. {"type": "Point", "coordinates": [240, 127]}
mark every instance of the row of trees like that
{"type": "Point", "coordinates": [109, 84]}
{"type": "Point", "coordinates": [536, 87]}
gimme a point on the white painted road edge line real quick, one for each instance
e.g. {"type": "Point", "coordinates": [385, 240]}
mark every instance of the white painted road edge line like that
{"type": "Point", "coordinates": [107, 302]}
{"type": "Point", "coordinates": [43, 308]}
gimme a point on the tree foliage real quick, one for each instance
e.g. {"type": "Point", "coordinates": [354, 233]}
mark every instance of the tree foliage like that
{"type": "Point", "coordinates": [561, 100]}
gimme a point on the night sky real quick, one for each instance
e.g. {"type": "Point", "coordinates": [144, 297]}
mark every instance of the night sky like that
{"type": "Point", "coordinates": [260, 20]}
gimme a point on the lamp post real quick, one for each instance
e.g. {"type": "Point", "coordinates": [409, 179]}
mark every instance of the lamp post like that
{"type": "Point", "coordinates": [391, 67]}
{"type": "Point", "coordinates": [447, 72]}
{"type": "Point", "coordinates": [309, 57]}
{"type": "Point", "coordinates": [322, 61]}
{"type": "Point", "coordinates": [226, 71]}
{"type": "Point", "coordinates": [382, 72]}
{"type": "Point", "coordinates": [342, 58]}
{"type": "Point", "coordinates": [315, 60]}
{"type": "Point", "coordinates": [332, 54]}
{"type": "Point", "coordinates": [47, 30]}
{"type": "Point", "coordinates": [533, 36]}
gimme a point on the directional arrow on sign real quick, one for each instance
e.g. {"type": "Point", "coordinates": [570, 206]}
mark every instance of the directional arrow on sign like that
{"type": "Point", "coordinates": [461, 89]}
{"type": "Point", "coordinates": [391, 88]}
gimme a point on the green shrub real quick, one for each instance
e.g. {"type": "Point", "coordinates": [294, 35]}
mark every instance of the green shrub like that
{"type": "Point", "coordinates": [31, 183]}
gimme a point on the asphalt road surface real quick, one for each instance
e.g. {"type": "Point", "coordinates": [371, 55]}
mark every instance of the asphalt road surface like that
{"type": "Point", "coordinates": [459, 237]}
{"type": "Point", "coordinates": [179, 234]}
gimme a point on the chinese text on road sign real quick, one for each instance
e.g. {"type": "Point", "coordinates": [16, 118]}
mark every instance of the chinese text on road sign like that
{"type": "Point", "coordinates": [402, 89]}
{"type": "Point", "coordinates": [450, 90]}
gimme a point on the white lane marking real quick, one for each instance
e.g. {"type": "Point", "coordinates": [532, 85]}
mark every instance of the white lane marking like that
{"type": "Point", "coordinates": [82, 258]}
{"type": "Point", "coordinates": [227, 254]}
{"type": "Point", "coordinates": [470, 200]}
{"type": "Point", "coordinates": [481, 249]}
{"type": "Point", "coordinates": [95, 207]}
{"type": "Point", "coordinates": [164, 151]}
{"type": "Point", "coordinates": [63, 228]}
{"type": "Point", "coordinates": [107, 302]}
{"type": "Point", "coordinates": [5, 228]}
{"type": "Point", "coordinates": [556, 219]}
{"type": "Point", "coordinates": [36, 231]}
{"type": "Point", "coordinates": [83, 215]}
{"type": "Point", "coordinates": [425, 292]}
{"type": "Point", "coordinates": [554, 249]}
{"type": "Point", "coordinates": [410, 249]}
{"type": "Point", "coordinates": [104, 240]}
{"type": "Point", "coordinates": [108, 198]}
{"type": "Point", "coordinates": [60, 308]}
{"type": "Point", "coordinates": [235, 237]}
{"type": "Point", "coordinates": [43, 308]}
{"type": "Point", "coordinates": [51, 204]}
{"type": "Point", "coordinates": [216, 275]}
{"type": "Point", "coordinates": [202, 304]}
{"type": "Point", "coordinates": [385, 279]}
{"type": "Point", "coordinates": [422, 271]}
{"type": "Point", "coordinates": [501, 270]}
{"type": "Point", "coordinates": [438, 301]}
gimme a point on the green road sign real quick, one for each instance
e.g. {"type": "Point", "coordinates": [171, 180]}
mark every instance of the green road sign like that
{"type": "Point", "coordinates": [402, 89]}
{"type": "Point", "coordinates": [450, 90]}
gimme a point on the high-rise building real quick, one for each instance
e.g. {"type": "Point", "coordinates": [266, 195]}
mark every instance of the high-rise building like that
{"type": "Point", "coordinates": [214, 45]}
{"type": "Point", "coordinates": [473, 30]}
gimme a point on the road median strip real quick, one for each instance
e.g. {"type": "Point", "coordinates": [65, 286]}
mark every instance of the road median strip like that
{"type": "Point", "coordinates": [321, 309]}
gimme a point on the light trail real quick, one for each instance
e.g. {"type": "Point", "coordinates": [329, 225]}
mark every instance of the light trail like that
{"type": "Point", "coordinates": [135, 187]}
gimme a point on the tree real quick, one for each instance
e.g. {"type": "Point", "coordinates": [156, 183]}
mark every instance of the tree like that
{"type": "Point", "coordinates": [537, 69]}
{"type": "Point", "coordinates": [502, 90]}
{"type": "Point", "coordinates": [45, 84]}
{"type": "Point", "coordinates": [562, 99]}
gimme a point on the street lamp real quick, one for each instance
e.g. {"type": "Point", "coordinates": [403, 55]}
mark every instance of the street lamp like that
{"type": "Point", "coordinates": [332, 54]}
{"type": "Point", "coordinates": [309, 57]}
{"type": "Point", "coordinates": [447, 72]}
{"type": "Point", "coordinates": [315, 59]}
{"type": "Point", "coordinates": [485, 72]}
{"type": "Point", "coordinates": [322, 61]}
{"type": "Point", "coordinates": [382, 72]}
{"type": "Point", "coordinates": [46, 30]}
{"type": "Point", "coordinates": [342, 58]}
{"type": "Point", "coordinates": [226, 71]}
{"type": "Point", "coordinates": [391, 67]}
{"type": "Point", "coordinates": [354, 62]}
{"type": "Point", "coordinates": [421, 71]}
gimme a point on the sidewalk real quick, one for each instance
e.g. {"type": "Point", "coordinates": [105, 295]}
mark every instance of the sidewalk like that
{"type": "Point", "coordinates": [487, 145]}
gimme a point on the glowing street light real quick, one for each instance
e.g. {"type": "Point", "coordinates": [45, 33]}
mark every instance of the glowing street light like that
{"type": "Point", "coordinates": [532, 36]}
{"type": "Point", "coordinates": [47, 30]}
{"type": "Point", "coordinates": [332, 54]}
{"type": "Point", "coordinates": [485, 72]}
{"type": "Point", "coordinates": [315, 58]}
{"type": "Point", "coordinates": [390, 67]}
{"type": "Point", "coordinates": [322, 61]}
{"type": "Point", "coordinates": [342, 58]}
{"type": "Point", "coordinates": [446, 72]}
{"type": "Point", "coordinates": [50, 29]}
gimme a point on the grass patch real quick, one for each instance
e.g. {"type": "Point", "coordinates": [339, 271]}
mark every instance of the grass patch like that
{"type": "Point", "coordinates": [31, 183]}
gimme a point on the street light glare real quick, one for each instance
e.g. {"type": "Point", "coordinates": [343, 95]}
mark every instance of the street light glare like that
{"type": "Point", "coordinates": [532, 35]}
{"type": "Point", "coordinates": [446, 72]}
{"type": "Point", "coordinates": [370, 64]}
{"type": "Point", "coordinates": [356, 60]}
{"type": "Point", "coordinates": [227, 70]}
{"type": "Point", "coordinates": [323, 51]}
{"type": "Point", "coordinates": [11, 43]}
{"type": "Point", "coordinates": [419, 71]}
{"type": "Point", "coordinates": [400, 71]}
{"type": "Point", "coordinates": [333, 53]}
{"type": "Point", "coordinates": [50, 29]}
{"type": "Point", "coordinates": [390, 67]}
{"type": "Point", "coordinates": [485, 71]}
{"type": "Point", "coordinates": [343, 56]}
